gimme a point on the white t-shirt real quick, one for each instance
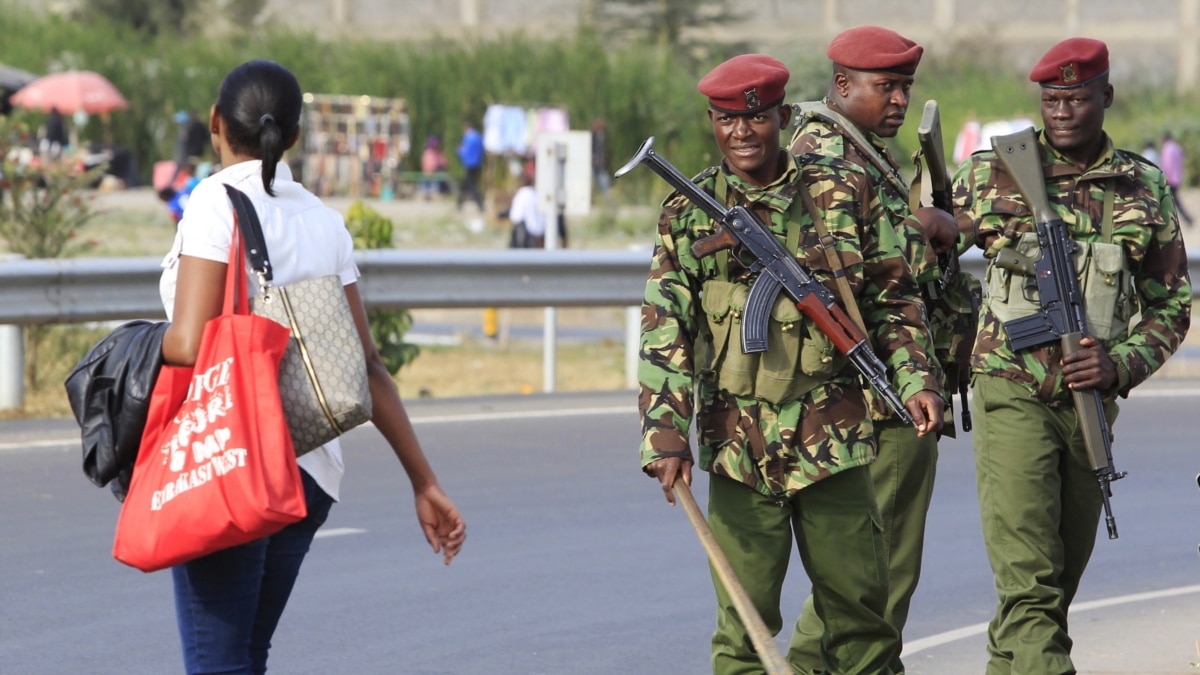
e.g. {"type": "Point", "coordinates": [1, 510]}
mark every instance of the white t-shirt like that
{"type": "Point", "coordinates": [524, 209]}
{"type": "Point", "coordinates": [305, 239]}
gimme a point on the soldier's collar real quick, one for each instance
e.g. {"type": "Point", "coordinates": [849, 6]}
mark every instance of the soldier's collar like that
{"type": "Point", "coordinates": [773, 190]}
{"type": "Point", "coordinates": [1059, 161]}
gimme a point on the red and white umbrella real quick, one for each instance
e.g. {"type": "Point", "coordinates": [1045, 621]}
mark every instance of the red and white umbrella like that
{"type": "Point", "coordinates": [70, 92]}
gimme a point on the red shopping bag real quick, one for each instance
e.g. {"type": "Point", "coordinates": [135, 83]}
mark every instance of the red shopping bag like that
{"type": "Point", "coordinates": [216, 467]}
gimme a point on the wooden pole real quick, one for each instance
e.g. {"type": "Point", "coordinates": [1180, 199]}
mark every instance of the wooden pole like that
{"type": "Point", "coordinates": [768, 652]}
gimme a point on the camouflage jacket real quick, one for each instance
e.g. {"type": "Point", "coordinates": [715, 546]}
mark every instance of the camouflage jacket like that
{"type": "Point", "coordinates": [1145, 225]}
{"type": "Point", "coordinates": [824, 137]}
{"type": "Point", "coordinates": [776, 449]}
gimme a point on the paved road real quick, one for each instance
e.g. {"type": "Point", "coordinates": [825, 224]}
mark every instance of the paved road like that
{"type": "Point", "coordinates": [573, 563]}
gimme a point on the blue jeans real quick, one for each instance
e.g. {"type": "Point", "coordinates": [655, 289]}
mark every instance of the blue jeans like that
{"type": "Point", "coordinates": [228, 603]}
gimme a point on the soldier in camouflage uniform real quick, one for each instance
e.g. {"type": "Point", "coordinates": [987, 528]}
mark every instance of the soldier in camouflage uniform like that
{"type": "Point", "coordinates": [873, 71]}
{"type": "Point", "coordinates": [1038, 496]}
{"type": "Point", "coordinates": [785, 435]}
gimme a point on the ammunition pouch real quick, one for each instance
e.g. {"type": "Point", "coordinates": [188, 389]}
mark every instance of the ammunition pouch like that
{"type": "Point", "coordinates": [1104, 278]}
{"type": "Point", "coordinates": [799, 357]}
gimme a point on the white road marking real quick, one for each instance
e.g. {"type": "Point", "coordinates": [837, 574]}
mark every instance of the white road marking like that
{"type": "Point", "coordinates": [524, 414]}
{"type": "Point", "coordinates": [947, 637]}
{"type": "Point", "coordinates": [338, 532]}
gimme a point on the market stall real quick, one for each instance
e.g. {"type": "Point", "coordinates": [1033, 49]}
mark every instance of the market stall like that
{"type": "Point", "coordinates": [352, 145]}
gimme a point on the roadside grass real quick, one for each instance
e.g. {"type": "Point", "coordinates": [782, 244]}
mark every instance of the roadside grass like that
{"type": "Point", "coordinates": [474, 367]}
{"type": "Point", "coordinates": [478, 368]}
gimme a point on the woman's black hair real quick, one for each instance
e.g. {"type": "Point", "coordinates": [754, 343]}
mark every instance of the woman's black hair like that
{"type": "Point", "coordinates": [260, 103]}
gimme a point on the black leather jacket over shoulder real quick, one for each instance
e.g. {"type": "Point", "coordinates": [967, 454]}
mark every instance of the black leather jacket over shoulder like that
{"type": "Point", "coordinates": [109, 391]}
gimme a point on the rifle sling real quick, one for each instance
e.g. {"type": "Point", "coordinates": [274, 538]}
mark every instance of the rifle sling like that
{"type": "Point", "coordinates": [914, 190]}
{"type": "Point", "coordinates": [822, 111]}
{"type": "Point", "coordinates": [1106, 225]}
{"type": "Point", "coordinates": [834, 260]}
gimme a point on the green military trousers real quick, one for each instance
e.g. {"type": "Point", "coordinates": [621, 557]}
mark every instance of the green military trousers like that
{"type": "Point", "coordinates": [840, 540]}
{"type": "Point", "coordinates": [1040, 505]}
{"type": "Point", "coordinates": [903, 474]}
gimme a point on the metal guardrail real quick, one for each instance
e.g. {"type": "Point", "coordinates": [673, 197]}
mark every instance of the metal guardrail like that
{"type": "Point", "coordinates": [79, 290]}
{"type": "Point", "coordinates": [76, 290]}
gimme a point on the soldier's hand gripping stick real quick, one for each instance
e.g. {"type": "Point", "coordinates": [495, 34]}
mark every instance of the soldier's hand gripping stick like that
{"type": "Point", "coordinates": [778, 270]}
{"type": "Point", "coordinates": [1062, 314]}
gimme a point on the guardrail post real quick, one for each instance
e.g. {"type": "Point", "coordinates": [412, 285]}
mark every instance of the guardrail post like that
{"type": "Point", "coordinates": [12, 360]}
{"type": "Point", "coordinates": [12, 367]}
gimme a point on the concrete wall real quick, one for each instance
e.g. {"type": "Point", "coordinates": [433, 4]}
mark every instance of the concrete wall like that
{"type": "Point", "coordinates": [1155, 41]}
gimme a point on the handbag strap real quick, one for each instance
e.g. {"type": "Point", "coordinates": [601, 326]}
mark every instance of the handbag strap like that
{"type": "Point", "coordinates": [246, 219]}
{"type": "Point", "coordinates": [236, 300]}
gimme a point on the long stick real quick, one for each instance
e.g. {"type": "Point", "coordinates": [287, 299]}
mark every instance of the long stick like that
{"type": "Point", "coordinates": [764, 644]}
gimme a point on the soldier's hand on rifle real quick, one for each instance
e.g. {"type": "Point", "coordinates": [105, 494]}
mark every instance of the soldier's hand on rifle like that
{"type": "Point", "coordinates": [665, 470]}
{"type": "Point", "coordinates": [1090, 367]}
{"type": "Point", "coordinates": [938, 227]}
{"type": "Point", "coordinates": [926, 408]}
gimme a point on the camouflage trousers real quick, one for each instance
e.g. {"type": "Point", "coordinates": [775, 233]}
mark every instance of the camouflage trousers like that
{"type": "Point", "coordinates": [1040, 505]}
{"type": "Point", "coordinates": [903, 475]}
{"type": "Point", "coordinates": [839, 536]}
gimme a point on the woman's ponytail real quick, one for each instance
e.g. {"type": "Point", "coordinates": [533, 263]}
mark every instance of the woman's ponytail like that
{"type": "Point", "coordinates": [271, 144]}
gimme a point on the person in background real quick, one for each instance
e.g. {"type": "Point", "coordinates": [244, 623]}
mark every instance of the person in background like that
{"type": "Point", "coordinates": [785, 435]}
{"type": "Point", "coordinates": [178, 194]}
{"type": "Point", "coordinates": [1173, 168]}
{"type": "Point", "coordinates": [433, 162]}
{"type": "Point", "coordinates": [600, 157]}
{"type": "Point", "coordinates": [528, 221]}
{"type": "Point", "coordinates": [1150, 152]}
{"type": "Point", "coordinates": [196, 139]}
{"type": "Point", "coordinates": [56, 133]}
{"type": "Point", "coordinates": [1039, 499]}
{"type": "Point", "coordinates": [470, 154]}
{"type": "Point", "coordinates": [228, 603]}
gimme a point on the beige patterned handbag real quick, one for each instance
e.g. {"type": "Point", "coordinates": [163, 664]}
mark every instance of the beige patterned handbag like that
{"type": "Point", "coordinates": [323, 376]}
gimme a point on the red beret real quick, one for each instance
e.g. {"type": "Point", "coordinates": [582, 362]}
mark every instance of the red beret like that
{"type": "Point", "coordinates": [745, 84]}
{"type": "Point", "coordinates": [1071, 63]}
{"type": "Point", "coordinates": [875, 48]}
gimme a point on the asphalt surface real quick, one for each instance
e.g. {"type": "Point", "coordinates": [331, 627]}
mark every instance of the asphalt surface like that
{"type": "Point", "coordinates": [573, 563]}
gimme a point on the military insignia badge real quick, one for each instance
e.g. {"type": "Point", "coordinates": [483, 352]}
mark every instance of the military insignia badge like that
{"type": "Point", "coordinates": [752, 98]}
{"type": "Point", "coordinates": [1069, 74]}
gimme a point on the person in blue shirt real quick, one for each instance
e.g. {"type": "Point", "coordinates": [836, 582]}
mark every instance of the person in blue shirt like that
{"type": "Point", "coordinates": [470, 153]}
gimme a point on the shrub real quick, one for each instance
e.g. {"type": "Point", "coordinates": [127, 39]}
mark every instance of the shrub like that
{"type": "Point", "coordinates": [43, 205]}
{"type": "Point", "coordinates": [372, 230]}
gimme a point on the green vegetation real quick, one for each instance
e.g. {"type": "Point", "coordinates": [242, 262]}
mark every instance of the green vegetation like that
{"type": "Point", "coordinates": [42, 207]}
{"type": "Point", "coordinates": [640, 90]}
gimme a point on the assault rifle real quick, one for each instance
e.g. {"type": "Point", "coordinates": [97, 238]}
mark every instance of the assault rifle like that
{"type": "Point", "coordinates": [929, 134]}
{"type": "Point", "coordinates": [778, 270]}
{"type": "Point", "coordinates": [1062, 314]}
